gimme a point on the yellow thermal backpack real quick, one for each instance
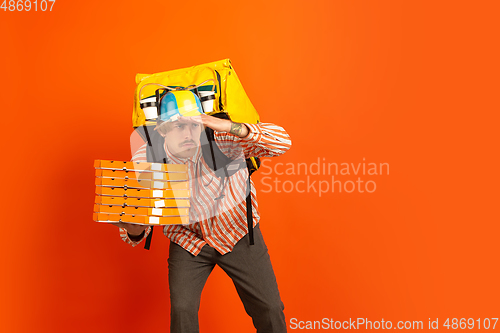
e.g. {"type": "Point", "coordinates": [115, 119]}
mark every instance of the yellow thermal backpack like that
{"type": "Point", "coordinates": [220, 81]}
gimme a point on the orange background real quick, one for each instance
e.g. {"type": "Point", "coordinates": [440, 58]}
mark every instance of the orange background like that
{"type": "Point", "coordinates": [411, 84]}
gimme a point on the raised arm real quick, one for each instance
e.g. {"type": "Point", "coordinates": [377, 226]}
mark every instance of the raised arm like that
{"type": "Point", "coordinates": [256, 140]}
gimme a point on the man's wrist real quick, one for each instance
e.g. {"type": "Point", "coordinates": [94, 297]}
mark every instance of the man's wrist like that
{"type": "Point", "coordinates": [238, 129]}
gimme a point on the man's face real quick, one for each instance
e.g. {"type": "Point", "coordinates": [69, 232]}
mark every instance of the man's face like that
{"type": "Point", "coordinates": [182, 137]}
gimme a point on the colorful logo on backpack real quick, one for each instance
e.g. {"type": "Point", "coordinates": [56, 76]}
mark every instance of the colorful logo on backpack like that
{"type": "Point", "coordinates": [182, 103]}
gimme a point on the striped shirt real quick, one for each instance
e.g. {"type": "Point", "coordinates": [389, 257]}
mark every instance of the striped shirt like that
{"type": "Point", "coordinates": [219, 223]}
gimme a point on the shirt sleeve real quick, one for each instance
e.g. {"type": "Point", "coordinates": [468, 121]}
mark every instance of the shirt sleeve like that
{"type": "Point", "coordinates": [263, 140]}
{"type": "Point", "coordinates": [124, 236]}
{"type": "Point", "coordinates": [140, 154]}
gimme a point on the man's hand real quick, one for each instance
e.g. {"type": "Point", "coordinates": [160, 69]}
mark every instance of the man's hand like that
{"type": "Point", "coordinates": [132, 229]}
{"type": "Point", "coordinates": [222, 125]}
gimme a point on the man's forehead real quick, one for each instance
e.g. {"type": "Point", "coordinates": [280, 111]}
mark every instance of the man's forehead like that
{"type": "Point", "coordinates": [181, 120]}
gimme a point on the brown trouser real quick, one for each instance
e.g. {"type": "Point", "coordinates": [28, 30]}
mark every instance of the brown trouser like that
{"type": "Point", "coordinates": [249, 266]}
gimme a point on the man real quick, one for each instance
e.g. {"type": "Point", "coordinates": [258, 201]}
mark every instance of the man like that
{"type": "Point", "coordinates": [221, 235]}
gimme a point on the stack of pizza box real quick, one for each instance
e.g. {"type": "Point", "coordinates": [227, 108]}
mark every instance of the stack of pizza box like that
{"type": "Point", "coordinates": [141, 193]}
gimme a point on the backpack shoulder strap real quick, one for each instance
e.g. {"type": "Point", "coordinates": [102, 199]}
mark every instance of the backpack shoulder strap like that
{"type": "Point", "coordinates": [154, 153]}
{"type": "Point", "coordinates": [218, 162]}
{"type": "Point", "coordinates": [249, 210]}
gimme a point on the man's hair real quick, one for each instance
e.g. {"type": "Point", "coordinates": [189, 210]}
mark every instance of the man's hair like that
{"type": "Point", "coordinates": [163, 128]}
